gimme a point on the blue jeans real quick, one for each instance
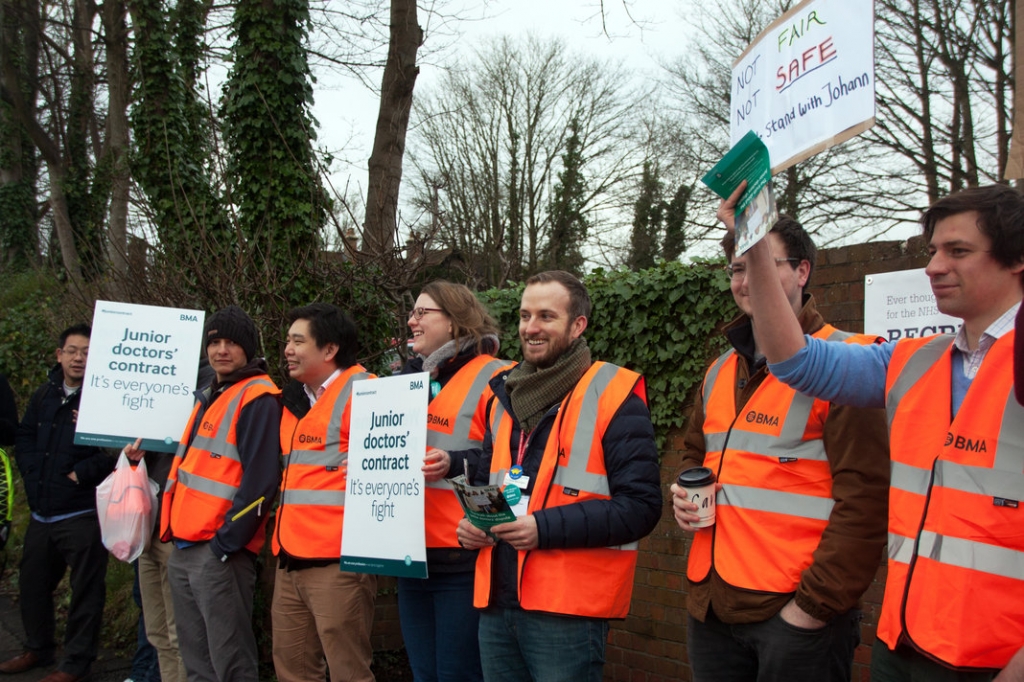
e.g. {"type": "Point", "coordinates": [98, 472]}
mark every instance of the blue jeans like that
{"type": "Point", "coordinates": [772, 650]}
{"type": "Point", "coordinates": [530, 646]}
{"type": "Point", "coordinates": [439, 626]}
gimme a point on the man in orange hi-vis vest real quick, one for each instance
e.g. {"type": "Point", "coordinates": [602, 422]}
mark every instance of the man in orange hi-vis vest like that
{"type": "Point", "coordinates": [800, 519]}
{"type": "Point", "coordinates": [954, 596]}
{"type": "Point", "coordinates": [216, 501]}
{"type": "Point", "coordinates": [322, 615]}
{"type": "Point", "coordinates": [571, 442]}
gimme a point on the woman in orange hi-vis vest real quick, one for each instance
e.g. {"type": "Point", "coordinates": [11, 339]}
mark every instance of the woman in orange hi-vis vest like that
{"type": "Point", "coordinates": [454, 340]}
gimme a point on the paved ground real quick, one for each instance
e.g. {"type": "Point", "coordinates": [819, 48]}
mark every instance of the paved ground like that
{"type": "Point", "coordinates": [107, 668]}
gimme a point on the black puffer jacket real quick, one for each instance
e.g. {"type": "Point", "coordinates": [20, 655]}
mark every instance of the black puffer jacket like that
{"type": "Point", "coordinates": [631, 460]}
{"type": "Point", "coordinates": [46, 453]}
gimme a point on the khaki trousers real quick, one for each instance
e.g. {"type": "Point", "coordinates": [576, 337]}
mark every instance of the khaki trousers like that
{"type": "Point", "coordinates": [158, 610]}
{"type": "Point", "coordinates": [323, 615]}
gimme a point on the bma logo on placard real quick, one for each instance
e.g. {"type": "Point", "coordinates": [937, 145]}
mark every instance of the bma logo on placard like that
{"type": "Point", "coordinates": [413, 385]}
{"type": "Point", "coordinates": [188, 318]}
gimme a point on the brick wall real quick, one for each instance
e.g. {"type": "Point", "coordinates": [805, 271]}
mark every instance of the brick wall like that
{"type": "Point", "coordinates": [650, 645]}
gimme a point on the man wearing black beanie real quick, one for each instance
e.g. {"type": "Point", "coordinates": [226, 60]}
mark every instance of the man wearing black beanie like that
{"type": "Point", "coordinates": [215, 505]}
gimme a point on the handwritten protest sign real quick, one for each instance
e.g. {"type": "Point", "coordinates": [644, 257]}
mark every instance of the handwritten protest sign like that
{"type": "Point", "coordinates": [900, 305]}
{"type": "Point", "coordinates": [140, 375]}
{"type": "Point", "coordinates": [384, 530]}
{"type": "Point", "coordinates": [807, 82]}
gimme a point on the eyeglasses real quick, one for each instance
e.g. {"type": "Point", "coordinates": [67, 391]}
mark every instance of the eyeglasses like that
{"type": "Point", "coordinates": [738, 270]}
{"type": "Point", "coordinates": [74, 351]}
{"type": "Point", "coordinates": [418, 313]}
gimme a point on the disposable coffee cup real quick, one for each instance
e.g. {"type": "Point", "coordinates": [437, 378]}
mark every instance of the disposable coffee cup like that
{"type": "Point", "coordinates": [699, 484]}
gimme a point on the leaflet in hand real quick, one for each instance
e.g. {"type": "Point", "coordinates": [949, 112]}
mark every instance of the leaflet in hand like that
{"type": "Point", "coordinates": [484, 505]}
{"type": "Point", "coordinates": [756, 212]}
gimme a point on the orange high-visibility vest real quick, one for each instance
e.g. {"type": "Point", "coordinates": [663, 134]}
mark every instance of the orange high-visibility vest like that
{"type": "Point", "coordinates": [777, 483]}
{"type": "Point", "coordinates": [314, 453]}
{"type": "Point", "coordinates": [455, 421]}
{"type": "Point", "coordinates": [206, 473]}
{"type": "Point", "coordinates": [598, 582]}
{"type": "Point", "coordinates": [955, 582]}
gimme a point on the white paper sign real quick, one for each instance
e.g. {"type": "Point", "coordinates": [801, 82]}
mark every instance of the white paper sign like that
{"type": "Point", "coordinates": [140, 376]}
{"type": "Point", "coordinates": [900, 305]}
{"type": "Point", "coordinates": [808, 81]}
{"type": "Point", "coordinates": [384, 530]}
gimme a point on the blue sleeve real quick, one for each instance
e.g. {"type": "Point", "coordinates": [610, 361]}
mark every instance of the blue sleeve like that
{"type": "Point", "coordinates": [842, 373]}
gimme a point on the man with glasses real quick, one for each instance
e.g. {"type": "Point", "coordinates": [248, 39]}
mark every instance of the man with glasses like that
{"type": "Point", "coordinates": [60, 484]}
{"type": "Point", "coordinates": [952, 609]}
{"type": "Point", "coordinates": [775, 582]}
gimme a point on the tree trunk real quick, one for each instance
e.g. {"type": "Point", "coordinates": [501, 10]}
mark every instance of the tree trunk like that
{"type": "Point", "coordinates": [117, 133]}
{"type": "Point", "coordinates": [400, 71]}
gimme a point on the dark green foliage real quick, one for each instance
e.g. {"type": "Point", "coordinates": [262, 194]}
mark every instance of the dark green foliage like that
{"type": "Point", "coordinates": [171, 137]}
{"type": "Point", "coordinates": [648, 211]}
{"type": "Point", "coordinates": [268, 133]}
{"type": "Point", "coordinates": [675, 224]}
{"type": "Point", "coordinates": [28, 339]}
{"type": "Point", "coordinates": [660, 322]}
{"type": "Point", "coordinates": [568, 224]}
{"type": "Point", "coordinates": [18, 212]}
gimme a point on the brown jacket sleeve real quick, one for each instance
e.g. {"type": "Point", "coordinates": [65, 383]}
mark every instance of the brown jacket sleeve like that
{"type": "Point", "coordinates": [857, 445]}
{"type": "Point", "coordinates": [693, 441]}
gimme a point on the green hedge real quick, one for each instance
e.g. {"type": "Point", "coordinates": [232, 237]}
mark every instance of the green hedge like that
{"type": "Point", "coordinates": [660, 322]}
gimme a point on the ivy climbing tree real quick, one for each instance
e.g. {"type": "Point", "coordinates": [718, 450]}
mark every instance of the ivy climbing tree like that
{"type": "Point", "coordinates": [268, 132]}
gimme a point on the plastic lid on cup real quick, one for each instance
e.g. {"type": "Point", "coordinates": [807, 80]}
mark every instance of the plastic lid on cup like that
{"type": "Point", "coordinates": [696, 477]}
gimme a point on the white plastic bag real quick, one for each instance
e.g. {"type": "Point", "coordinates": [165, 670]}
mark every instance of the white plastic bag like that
{"type": "Point", "coordinates": [126, 504]}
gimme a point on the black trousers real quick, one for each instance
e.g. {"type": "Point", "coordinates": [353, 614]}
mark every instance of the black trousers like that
{"type": "Point", "coordinates": [50, 548]}
{"type": "Point", "coordinates": [772, 650]}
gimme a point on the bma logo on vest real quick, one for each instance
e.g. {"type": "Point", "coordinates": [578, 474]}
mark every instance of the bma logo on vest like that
{"type": "Point", "coordinates": [961, 443]}
{"type": "Point", "coordinates": [437, 421]}
{"type": "Point", "coordinates": [303, 438]}
{"type": "Point", "coordinates": [761, 418]}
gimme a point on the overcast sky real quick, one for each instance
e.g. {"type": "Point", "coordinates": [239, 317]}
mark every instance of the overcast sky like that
{"type": "Point", "coordinates": [347, 111]}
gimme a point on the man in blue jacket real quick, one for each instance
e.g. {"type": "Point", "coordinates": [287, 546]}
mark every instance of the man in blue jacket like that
{"type": "Point", "coordinates": [60, 483]}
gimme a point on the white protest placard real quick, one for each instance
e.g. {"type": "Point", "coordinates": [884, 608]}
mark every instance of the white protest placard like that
{"type": "Point", "coordinates": [384, 531]}
{"type": "Point", "coordinates": [807, 82]}
{"type": "Point", "coordinates": [900, 305]}
{"type": "Point", "coordinates": [140, 376]}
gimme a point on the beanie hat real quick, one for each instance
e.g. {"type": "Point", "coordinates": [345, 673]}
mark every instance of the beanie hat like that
{"type": "Point", "coordinates": [234, 324]}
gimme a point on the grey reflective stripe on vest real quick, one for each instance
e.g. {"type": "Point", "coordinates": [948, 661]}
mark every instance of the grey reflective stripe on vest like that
{"type": "Point", "coordinates": [219, 444]}
{"type": "Point", "coordinates": [977, 556]}
{"type": "Point", "coordinates": [207, 485]}
{"type": "Point", "coordinates": [497, 414]}
{"type": "Point", "coordinates": [711, 377]}
{"type": "Point", "coordinates": [330, 455]}
{"type": "Point", "coordinates": [979, 480]}
{"type": "Point", "coordinates": [839, 335]}
{"type": "Point", "coordinates": [790, 504]}
{"type": "Point", "coordinates": [322, 498]}
{"type": "Point", "coordinates": [909, 478]}
{"type": "Point", "coordinates": [715, 442]}
{"type": "Point", "coordinates": [1010, 453]}
{"type": "Point", "coordinates": [459, 437]}
{"type": "Point", "coordinates": [901, 548]}
{"type": "Point", "coordinates": [441, 484]}
{"type": "Point", "coordinates": [916, 367]}
{"type": "Point", "coordinates": [574, 473]}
